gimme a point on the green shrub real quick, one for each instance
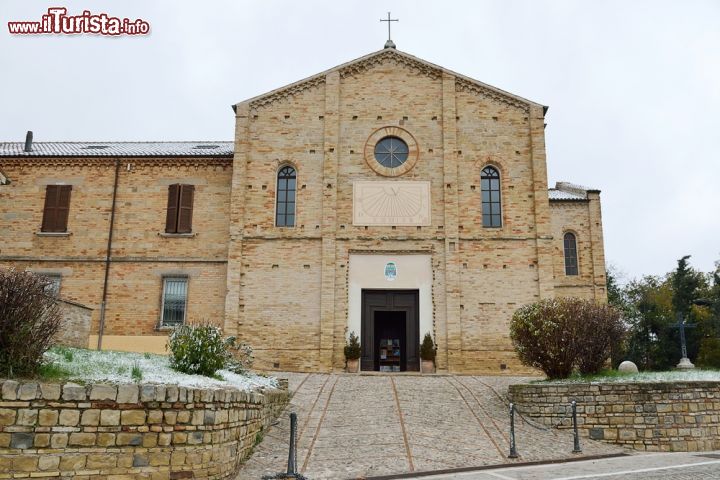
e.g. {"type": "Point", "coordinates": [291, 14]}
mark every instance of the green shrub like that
{"type": "Point", "coordinates": [198, 349]}
{"type": "Point", "coordinates": [558, 335]}
{"type": "Point", "coordinates": [428, 350]}
{"type": "Point", "coordinates": [29, 320]}
{"type": "Point", "coordinates": [201, 349]}
{"type": "Point", "coordinates": [352, 347]}
{"type": "Point", "coordinates": [709, 356]}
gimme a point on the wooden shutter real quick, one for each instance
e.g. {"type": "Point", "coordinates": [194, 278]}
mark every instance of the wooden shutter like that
{"type": "Point", "coordinates": [48, 222]}
{"type": "Point", "coordinates": [172, 209]}
{"type": "Point", "coordinates": [57, 208]}
{"type": "Point", "coordinates": [63, 208]}
{"type": "Point", "coordinates": [186, 208]}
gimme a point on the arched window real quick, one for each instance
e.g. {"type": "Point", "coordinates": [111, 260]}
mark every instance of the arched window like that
{"type": "Point", "coordinates": [571, 258]}
{"type": "Point", "coordinates": [490, 187]}
{"type": "Point", "coordinates": [285, 203]}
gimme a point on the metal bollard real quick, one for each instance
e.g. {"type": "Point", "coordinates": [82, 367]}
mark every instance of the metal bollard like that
{"type": "Point", "coordinates": [292, 472]}
{"type": "Point", "coordinates": [513, 450]}
{"type": "Point", "coordinates": [576, 437]}
{"type": "Point", "coordinates": [292, 454]}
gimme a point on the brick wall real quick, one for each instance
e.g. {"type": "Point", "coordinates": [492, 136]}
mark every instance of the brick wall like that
{"type": "Point", "coordinates": [678, 417]}
{"type": "Point", "coordinates": [132, 431]}
{"type": "Point", "coordinates": [582, 218]}
{"type": "Point", "coordinates": [141, 254]}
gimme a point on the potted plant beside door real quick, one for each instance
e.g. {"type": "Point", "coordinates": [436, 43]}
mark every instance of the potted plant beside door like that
{"type": "Point", "coordinates": [427, 354]}
{"type": "Point", "coordinates": [352, 353]}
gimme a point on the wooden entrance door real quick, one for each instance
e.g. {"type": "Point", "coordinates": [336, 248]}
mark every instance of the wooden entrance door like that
{"type": "Point", "coordinates": [390, 315]}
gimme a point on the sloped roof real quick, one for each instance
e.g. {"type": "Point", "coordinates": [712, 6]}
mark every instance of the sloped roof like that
{"type": "Point", "coordinates": [566, 191]}
{"type": "Point", "coordinates": [362, 63]}
{"type": "Point", "coordinates": [118, 149]}
{"type": "Point", "coordinates": [554, 194]}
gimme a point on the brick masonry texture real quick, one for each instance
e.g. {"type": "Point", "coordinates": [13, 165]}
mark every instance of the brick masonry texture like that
{"type": "Point", "coordinates": [285, 290]}
{"type": "Point", "coordinates": [130, 431]}
{"type": "Point", "coordinates": [677, 417]}
{"type": "Point", "coordinates": [76, 325]}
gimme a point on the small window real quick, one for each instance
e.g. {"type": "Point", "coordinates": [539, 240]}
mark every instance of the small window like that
{"type": "Point", "coordinates": [285, 202]}
{"type": "Point", "coordinates": [53, 286]}
{"type": "Point", "coordinates": [490, 191]}
{"type": "Point", "coordinates": [57, 207]}
{"type": "Point", "coordinates": [174, 301]}
{"type": "Point", "coordinates": [179, 208]}
{"type": "Point", "coordinates": [571, 259]}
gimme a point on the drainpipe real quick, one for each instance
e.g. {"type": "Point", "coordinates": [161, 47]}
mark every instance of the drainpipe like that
{"type": "Point", "coordinates": [107, 256]}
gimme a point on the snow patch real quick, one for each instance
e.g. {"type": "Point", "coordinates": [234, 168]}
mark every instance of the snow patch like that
{"type": "Point", "coordinates": [92, 366]}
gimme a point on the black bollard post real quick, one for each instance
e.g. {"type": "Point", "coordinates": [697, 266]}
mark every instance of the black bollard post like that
{"type": "Point", "coordinates": [576, 437]}
{"type": "Point", "coordinates": [292, 457]}
{"type": "Point", "coordinates": [513, 450]}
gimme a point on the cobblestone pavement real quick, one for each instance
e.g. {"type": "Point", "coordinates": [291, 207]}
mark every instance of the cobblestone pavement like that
{"type": "Point", "coordinates": [349, 426]}
{"type": "Point", "coordinates": [657, 466]}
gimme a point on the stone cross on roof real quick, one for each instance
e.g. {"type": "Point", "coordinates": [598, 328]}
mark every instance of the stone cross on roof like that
{"type": "Point", "coordinates": [389, 43]}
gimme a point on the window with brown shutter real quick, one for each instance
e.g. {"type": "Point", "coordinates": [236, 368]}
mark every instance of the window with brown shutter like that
{"type": "Point", "coordinates": [57, 208]}
{"type": "Point", "coordinates": [179, 208]}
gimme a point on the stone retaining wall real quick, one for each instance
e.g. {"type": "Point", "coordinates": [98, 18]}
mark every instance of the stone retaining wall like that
{"type": "Point", "coordinates": [130, 431]}
{"type": "Point", "coordinates": [645, 416]}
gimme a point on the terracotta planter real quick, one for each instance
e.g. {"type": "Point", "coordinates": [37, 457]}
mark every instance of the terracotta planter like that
{"type": "Point", "coordinates": [352, 365]}
{"type": "Point", "coordinates": [427, 366]}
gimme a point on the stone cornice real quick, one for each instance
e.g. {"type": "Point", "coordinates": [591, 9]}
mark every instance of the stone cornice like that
{"type": "Point", "coordinates": [287, 92]}
{"type": "Point", "coordinates": [389, 55]}
{"type": "Point", "coordinates": [466, 85]}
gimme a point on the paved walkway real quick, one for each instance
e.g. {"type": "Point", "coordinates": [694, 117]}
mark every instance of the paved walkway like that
{"type": "Point", "coordinates": [653, 466]}
{"type": "Point", "coordinates": [353, 426]}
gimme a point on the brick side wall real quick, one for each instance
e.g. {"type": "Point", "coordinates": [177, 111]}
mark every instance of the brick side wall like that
{"type": "Point", "coordinates": [141, 254]}
{"type": "Point", "coordinates": [678, 417]}
{"type": "Point", "coordinates": [132, 431]}
{"type": "Point", "coordinates": [581, 218]}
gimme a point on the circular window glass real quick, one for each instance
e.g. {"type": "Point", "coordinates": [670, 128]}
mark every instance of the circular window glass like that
{"type": "Point", "coordinates": [391, 152]}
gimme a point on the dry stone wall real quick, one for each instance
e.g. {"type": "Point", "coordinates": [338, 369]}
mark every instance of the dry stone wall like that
{"type": "Point", "coordinates": [130, 431]}
{"type": "Point", "coordinates": [678, 417]}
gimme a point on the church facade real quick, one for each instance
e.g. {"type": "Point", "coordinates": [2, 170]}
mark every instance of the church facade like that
{"type": "Point", "coordinates": [387, 196]}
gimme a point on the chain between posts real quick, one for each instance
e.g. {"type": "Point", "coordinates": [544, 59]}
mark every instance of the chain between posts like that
{"type": "Point", "coordinates": [576, 435]}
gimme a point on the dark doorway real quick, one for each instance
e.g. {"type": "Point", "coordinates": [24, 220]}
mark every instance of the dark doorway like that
{"type": "Point", "coordinates": [391, 340]}
{"type": "Point", "coordinates": [390, 330]}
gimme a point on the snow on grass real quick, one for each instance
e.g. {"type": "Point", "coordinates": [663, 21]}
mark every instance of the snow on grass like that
{"type": "Point", "coordinates": [92, 366]}
{"type": "Point", "coordinates": [694, 375]}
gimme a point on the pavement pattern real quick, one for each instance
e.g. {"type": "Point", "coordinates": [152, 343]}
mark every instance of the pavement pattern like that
{"type": "Point", "coordinates": [357, 426]}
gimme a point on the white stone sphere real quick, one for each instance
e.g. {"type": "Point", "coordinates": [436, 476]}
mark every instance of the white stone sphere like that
{"type": "Point", "coordinates": [628, 367]}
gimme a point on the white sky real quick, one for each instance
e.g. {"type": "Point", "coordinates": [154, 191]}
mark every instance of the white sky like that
{"type": "Point", "coordinates": [633, 87]}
